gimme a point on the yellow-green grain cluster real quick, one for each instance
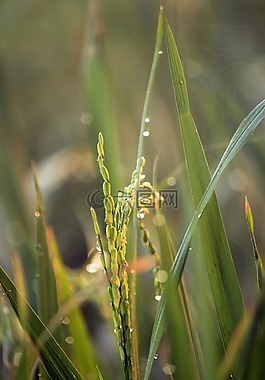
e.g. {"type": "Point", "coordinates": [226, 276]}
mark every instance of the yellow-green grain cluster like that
{"type": "Point", "coordinates": [117, 216]}
{"type": "Point", "coordinates": [116, 222]}
{"type": "Point", "coordinates": [145, 235]}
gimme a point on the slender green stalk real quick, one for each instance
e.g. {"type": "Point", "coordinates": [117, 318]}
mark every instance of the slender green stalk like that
{"type": "Point", "coordinates": [157, 55]}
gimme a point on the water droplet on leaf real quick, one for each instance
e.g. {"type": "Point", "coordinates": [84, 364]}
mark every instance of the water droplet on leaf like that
{"type": "Point", "coordinates": [69, 340]}
{"type": "Point", "coordinates": [92, 268]}
{"type": "Point", "coordinates": [65, 321]}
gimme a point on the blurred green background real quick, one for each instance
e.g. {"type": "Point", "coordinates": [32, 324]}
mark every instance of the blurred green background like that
{"type": "Point", "coordinates": [70, 69]}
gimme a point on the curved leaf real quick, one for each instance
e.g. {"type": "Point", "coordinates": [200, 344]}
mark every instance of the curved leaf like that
{"type": "Point", "coordinates": [240, 137]}
{"type": "Point", "coordinates": [54, 359]}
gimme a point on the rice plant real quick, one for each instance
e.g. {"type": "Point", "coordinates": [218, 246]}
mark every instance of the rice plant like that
{"type": "Point", "coordinates": [205, 332]}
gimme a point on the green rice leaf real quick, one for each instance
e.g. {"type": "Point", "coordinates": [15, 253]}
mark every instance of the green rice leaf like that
{"type": "Point", "coordinates": [81, 351]}
{"type": "Point", "coordinates": [218, 260]}
{"type": "Point", "coordinates": [99, 374]}
{"type": "Point", "coordinates": [156, 57]}
{"type": "Point", "coordinates": [46, 284]}
{"type": "Point", "coordinates": [54, 359]}
{"type": "Point", "coordinates": [98, 91]}
{"type": "Point", "coordinates": [182, 335]}
{"type": "Point", "coordinates": [244, 131]}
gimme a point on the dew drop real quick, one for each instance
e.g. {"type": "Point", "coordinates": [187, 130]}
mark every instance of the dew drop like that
{"type": "Point", "coordinates": [147, 120]}
{"type": "Point", "coordinates": [65, 321]}
{"type": "Point", "coordinates": [131, 330]}
{"type": "Point", "coordinates": [181, 81]}
{"type": "Point", "coordinates": [92, 268]}
{"type": "Point", "coordinates": [199, 215]}
{"type": "Point", "coordinates": [146, 133]}
{"type": "Point", "coordinates": [190, 249]}
{"type": "Point", "coordinates": [155, 356]}
{"type": "Point", "coordinates": [140, 215]}
{"type": "Point", "coordinates": [160, 52]}
{"type": "Point", "coordinates": [69, 340]}
{"type": "Point", "coordinates": [158, 297]}
{"type": "Point", "coordinates": [162, 276]}
{"type": "Point", "coordinates": [171, 181]}
{"type": "Point", "coordinates": [37, 214]}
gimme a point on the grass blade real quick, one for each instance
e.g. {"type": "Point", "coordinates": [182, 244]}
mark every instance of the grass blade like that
{"type": "Point", "coordinates": [183, 338]}
{"type": "Point", "coordinates": [247, 127]}
{"type": "Point", "coordinates": [54, 359]}
{"type": "Point", "coordinates": [158, 46]}
{"type": "Point", "coordinates": [81, 351]}
{"type": "Point", "coordinates": [217, 255]}
{"type": "Point", "coordinates": [46, 284]}
{"type": "Point", "coordinates": [244, 131]}
{"type": "Point", "coordinates": [98, 91]}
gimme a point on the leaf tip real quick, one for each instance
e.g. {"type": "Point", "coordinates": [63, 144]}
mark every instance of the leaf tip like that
{"type": "Point", "coordinates": [247, 206]}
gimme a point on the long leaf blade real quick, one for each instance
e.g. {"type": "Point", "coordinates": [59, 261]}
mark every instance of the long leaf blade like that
{"type": "Point", "coordinates": [244, 131]}
{"type": "Point", "coordinates": [81, 351]}
{"type": "Point", "coordinates": [54, 359]}
{"type": "Point", "coordinates": [46, 284]}
{"type": "Point", "coordinates": [182, 335]}
{"type": "Point", "coordinates": [218, 260]}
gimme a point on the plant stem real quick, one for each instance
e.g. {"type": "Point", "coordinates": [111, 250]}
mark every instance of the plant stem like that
{"type": "Point", "coordinates": [157, 54]}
